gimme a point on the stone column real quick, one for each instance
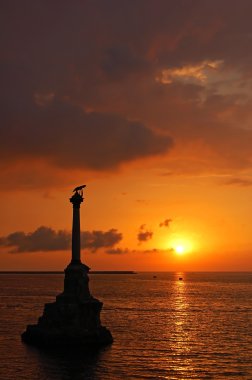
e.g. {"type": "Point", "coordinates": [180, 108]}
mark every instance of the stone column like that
{"type": "Point", "coordinates": [76, 200]}
{"type": "Point", "coordinates": [74, 318]}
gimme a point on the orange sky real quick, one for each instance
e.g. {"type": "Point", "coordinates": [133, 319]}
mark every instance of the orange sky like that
{"type": "Point", "coordinates": [150, 106]}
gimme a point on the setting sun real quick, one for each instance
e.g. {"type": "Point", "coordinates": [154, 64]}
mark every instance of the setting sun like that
{"type": "Point", "coordinates": [181, 246]}
{"type": "Point", "coordinates": [179, 249]}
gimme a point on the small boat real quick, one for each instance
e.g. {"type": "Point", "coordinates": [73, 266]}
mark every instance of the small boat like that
{"type": "Point", "coordinates": [180, 278]}
{"type": "Point", "coordinates": [154, 276]}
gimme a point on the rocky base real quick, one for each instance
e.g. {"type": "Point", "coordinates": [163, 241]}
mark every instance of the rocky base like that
{"type": "Point", "coordinates": [74, 319]}
{"type": "Point", "coordinates": [37, 336]}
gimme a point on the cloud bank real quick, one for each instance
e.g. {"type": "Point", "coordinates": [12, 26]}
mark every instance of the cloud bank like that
{"type": "Point", "coordinates": [68, 137]}
{"type": "Point", "coordinates": [46, 239]}
{"type": "Point", "coordinates": [82, 89]}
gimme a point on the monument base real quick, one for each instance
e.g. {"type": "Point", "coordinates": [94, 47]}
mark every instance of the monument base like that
{"type": "Point", "coordinates": [49, 338]}
{"type": "Point", "coordinates": [74, 319]}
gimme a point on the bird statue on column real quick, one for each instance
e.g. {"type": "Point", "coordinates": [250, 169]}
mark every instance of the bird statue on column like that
{"type": "Point", "coordinates": [79, 189]}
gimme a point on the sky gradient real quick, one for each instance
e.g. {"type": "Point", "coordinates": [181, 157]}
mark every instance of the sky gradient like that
{"type": "Point", "coordinates": [147, 102]}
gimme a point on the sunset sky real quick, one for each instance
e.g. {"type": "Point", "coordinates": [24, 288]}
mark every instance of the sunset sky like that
{"type": "Point", "coordinates": [148, 103]}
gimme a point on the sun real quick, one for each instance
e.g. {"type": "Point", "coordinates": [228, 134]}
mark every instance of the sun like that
{"type": "Point", "coordinates": [181, 246]}
{"type": "Point", "coordinates": [179, 249]}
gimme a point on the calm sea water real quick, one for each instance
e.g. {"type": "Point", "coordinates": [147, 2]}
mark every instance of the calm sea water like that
{"type": "Point", "coordinates": [198, 328]}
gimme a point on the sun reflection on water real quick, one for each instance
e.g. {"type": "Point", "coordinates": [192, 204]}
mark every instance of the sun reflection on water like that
{"type": "Point", "coordinates": [181, 335]}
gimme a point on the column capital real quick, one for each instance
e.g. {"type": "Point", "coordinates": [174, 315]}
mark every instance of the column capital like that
{"type": "Point", "coordinates": [76, 199]}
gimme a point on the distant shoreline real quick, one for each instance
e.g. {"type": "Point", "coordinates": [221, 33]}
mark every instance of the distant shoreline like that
{"type": "Point", "coordinates": [126, 272]}
{"type": "Point", "coordinates": [62, 272]}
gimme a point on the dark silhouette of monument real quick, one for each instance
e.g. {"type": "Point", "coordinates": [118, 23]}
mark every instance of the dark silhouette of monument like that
{"type": "Point", "coordinates": [74, 318]}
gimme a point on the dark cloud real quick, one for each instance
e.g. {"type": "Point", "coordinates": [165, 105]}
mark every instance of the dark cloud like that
{"type": "Point", "coordinates": [143, 234]}
{"type": "Point", "coordinates": [165, 223]}
{"type": "Point", "coordinates": [118, 251]}
{"type": "Point", "coordinates": [120, 61]}
{"type": "Point", "coordinates": [82, 89]}
{"type": "Point", "coordinates": [42, 239]}
{"type": "Point", "coordinates": [100, 239]}
{"type": "Point", "coordinates": [46, 239]}
{"type": "Point", "coordinates": [153, 250]}
{"type": "Point", "coordinates": [67, 136]}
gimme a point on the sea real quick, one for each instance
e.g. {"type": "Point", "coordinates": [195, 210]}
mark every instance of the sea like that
{"type": "Point", "coordinates": [165, 326]}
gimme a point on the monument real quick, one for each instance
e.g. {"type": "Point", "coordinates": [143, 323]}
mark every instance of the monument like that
{"type": "Point", "coordinates": [74, 318]}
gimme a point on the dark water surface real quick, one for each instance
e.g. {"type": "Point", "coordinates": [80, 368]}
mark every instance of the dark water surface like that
{"type": "Point", "coordinates": [198, 328]}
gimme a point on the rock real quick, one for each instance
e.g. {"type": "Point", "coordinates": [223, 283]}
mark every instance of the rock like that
{"type": "Point", "coordinates": [73, 319]}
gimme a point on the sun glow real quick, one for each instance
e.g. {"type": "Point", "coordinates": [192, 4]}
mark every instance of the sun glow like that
{"type": "Point", "coordinates": [179, 249]}
{"type": "Point", "coordinates": [181, 246]}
